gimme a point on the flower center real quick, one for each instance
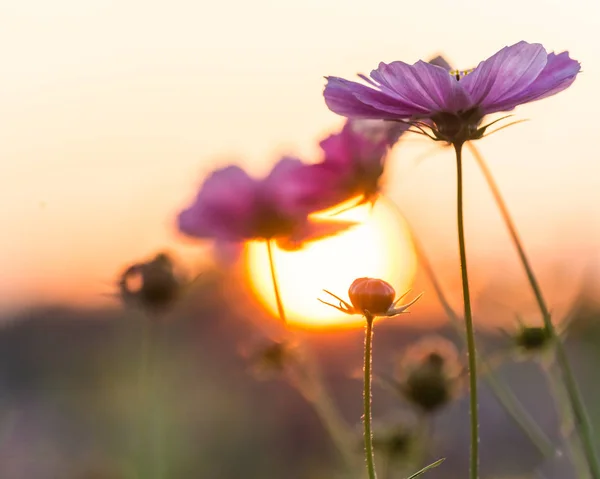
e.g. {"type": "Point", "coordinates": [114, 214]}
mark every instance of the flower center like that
{"type": "Point", "coordinates": [457, 127]}
{"type": "Point", "coordinates": [458, 74]}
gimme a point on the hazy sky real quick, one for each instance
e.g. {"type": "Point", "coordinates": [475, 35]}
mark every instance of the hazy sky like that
{"type": "Point", "coordinates": [113, 111]}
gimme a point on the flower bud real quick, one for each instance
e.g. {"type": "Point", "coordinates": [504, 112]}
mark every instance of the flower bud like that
{"type": "Point", "coordinates": [152, 285]}
{"type": "Point", "coordinates": [532, 338]}
{"type": "Point", "coordinates": [428, 373]}
{"type": "Point", "coordinates": [373, 295]}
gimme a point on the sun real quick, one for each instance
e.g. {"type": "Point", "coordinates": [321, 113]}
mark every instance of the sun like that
{"type": "Point", "coordinates": [379, 246]}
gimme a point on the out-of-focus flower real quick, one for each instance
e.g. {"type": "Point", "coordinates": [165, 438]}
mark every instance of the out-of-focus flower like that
{"type": "Point", "coordinates": [428, 373]}
{"type": "Point", "coordinates": [354, 159]}
{"type": "Point", "coordinates": [153, 285]}
{"type": "Point", "coordinates": [452, 104]}
{"type": "Point", "coordinates": [371, 297]}
{"type": "Point", "coordinates": [232, 206]}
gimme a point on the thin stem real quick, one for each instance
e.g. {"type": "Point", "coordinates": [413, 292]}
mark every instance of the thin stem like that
{"type": "Point", "coordinates": [280, 309]}
{"type": "Point", "coordinates": [309, 384]}
{"type": "Point", "coordinates": [148, 390]}
{"type": "Point", "coordinates": [369, 458]}
{"type": "Point", "coordinates": [582, 421]}
{"type": "Point", "coordinates": [424, 437]}
{"type": "Point", "coordinates": [143, 380]}
{"type": "Point", "coordinates": [501, 390]}
{"type": "Point", "coordinates": [385, 466]}
{"type": "Point", "coordinates": [470, 334]}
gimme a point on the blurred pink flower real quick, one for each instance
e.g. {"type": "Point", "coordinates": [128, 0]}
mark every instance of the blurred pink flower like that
{"type": "Point", "coordinates": [353, 162]}
{"type": "Point", "coordinates": [232, 206]}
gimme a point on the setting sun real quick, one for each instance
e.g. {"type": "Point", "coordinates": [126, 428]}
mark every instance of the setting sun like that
{"type": "Point", "coordinates": [379, 246]}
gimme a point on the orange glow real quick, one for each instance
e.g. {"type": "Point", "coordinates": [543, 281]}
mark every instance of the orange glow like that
{"type": "Point", "coordinates": [380, 247]}
{"type": "Point", "coordinates": [104, 138]}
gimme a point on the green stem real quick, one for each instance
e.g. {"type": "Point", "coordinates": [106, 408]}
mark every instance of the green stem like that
{"type": "Point", "coordinates": [309, 384]}
{"type": "Point", "coordinates": [385, 466]}
{"type": "Point", "coordinates": [501, 390]}
{"type": "Point", "coordinates": [367, 398]}
{"type": "Point", "coordinates": [470, 334]}
{"type": "Point", "coordinates": [582, 421]}
{"type": "Point", "coordinates": [306, 379]}
{"type": "Point", "coordinates": [280, 309]}
{"type": "Point", "coordinates": [422, 442]}
{"type": "Point", "coordinates": [148, 389]}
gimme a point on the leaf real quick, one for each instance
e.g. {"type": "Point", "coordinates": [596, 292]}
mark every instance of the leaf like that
{"type": "Point", "coordinates": [426, 468]}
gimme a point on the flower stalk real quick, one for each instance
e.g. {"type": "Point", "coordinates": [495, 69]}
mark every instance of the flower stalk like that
{"type": "Point", "coordinates": [470, 334]}
{"type": "Point", "coordinates": [582, 421]}
{"type": "Point", "coordinates": [501, 390]}
{"type": "Point", "coordinates": [367, 417]}
{"type": "Point", "coordinates": [276, 291]}
{"type": "Point", "coordinates": [370, 297]}
{"type": "Point", "coordinates": [152, 412]}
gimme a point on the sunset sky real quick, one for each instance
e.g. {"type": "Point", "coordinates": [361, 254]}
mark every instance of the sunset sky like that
{"type": "Point", "coordinates": [113, 113]}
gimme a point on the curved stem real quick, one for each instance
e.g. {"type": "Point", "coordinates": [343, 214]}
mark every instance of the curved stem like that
{"type": "Point", "coordinates": [582, 421]}
{"type": "Point", "coordinates": [500, 389]}
{"type": "Point", "coordinates": [367, 398]}
{"type": "Point", "coordinates": [470, 334]}
{"type": "Point", "coordinates": [305, 377]}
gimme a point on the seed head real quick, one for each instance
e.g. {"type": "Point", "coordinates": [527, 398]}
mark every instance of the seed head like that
{"type": "Point", "coordinates": [152, 285]}
{"type": "Point", "coordinates": [532, 338]}
{"type": "Point", "coordinates": [427, 374]}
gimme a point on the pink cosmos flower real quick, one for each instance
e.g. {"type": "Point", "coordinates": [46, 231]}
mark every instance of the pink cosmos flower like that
{"type": "Point", "coordinates": [453, 103]}
{"type": "Point", "coordinates": [232, 206]}
{"type": "Point", "coordinates": [353, 162]}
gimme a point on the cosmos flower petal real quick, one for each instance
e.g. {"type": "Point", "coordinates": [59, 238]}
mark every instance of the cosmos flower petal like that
{"type": "Point", "coordinates": [285, 166]}
{"type": "Point", "coordinates": [361, 140]}
{"type": "Point", "coordinates": [505, 74]}
{"type": "Point", "coordinates": [355, 158]}
{"type": "Point", "coordinates": [222, 207]}
{"type": "Point", "coordinates": [313, 230]}
{"type": "Point", "coordinates": [440, 61]}
{"type": "Point", "coordinates": [452, 105]}
{"type": "Point", "coordinates": [558, 74]}
{"type": "Point", "coordinates": [280, 183]}
{"type": "Point", "coordinates": [426, 88]}
{"type": "Point", "coordinates": [191, 223]}
{"type": "Point", "coordinates": [302, 189]}
{"type": "Point", "coordinates": [342, 147]}
{"type": "Point", "coordinates": [355, 100]}
{"type": "Point", "coordinates": [380, 130]}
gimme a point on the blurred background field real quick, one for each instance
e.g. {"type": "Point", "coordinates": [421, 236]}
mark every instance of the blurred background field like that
{"type": "Point", "coordinates": [114, 112]}
{"type": "Point", "coordinates": [71, 398]}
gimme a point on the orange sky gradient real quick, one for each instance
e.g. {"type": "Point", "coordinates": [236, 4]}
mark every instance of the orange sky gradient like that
{"type": "Point", "coordinates": [113, 112]}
